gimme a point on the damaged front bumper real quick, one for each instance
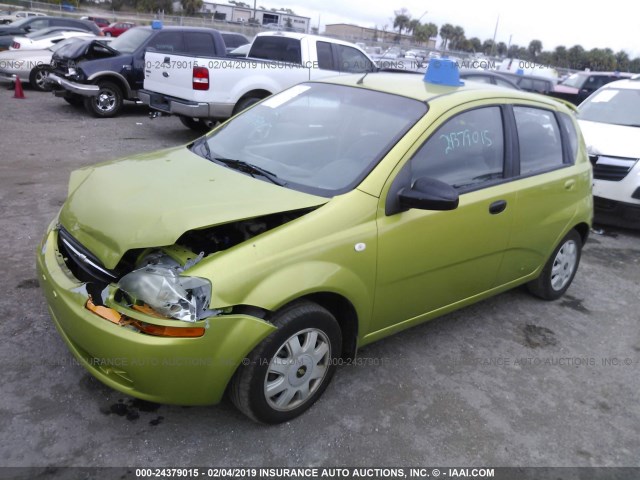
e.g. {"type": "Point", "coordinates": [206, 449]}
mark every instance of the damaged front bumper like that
{"type": "Point", "coordinates": [81, 89]}
{"type": "Point", "coordinates": [183, 371]}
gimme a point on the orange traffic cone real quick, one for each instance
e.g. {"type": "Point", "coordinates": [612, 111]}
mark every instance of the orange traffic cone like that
{"type": "Point", "coordinates": [19, 93]}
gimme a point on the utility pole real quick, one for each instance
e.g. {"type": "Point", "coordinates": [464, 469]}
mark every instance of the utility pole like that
{"type": "Point", "coordinates": [495, 32]}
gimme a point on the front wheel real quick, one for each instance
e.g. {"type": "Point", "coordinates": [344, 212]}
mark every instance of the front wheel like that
{"type": "Point", "coordinates": [38, 77]}
{"type": "Point", "coordinates": [558, 273]}
{"type": "Point", "coordinates": [107, 103]}
{"type": "Point", "coordinates": [291, 368]}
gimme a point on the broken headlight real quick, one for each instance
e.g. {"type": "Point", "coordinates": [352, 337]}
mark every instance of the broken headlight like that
{"type": "Point", "coordinates": [160, 285]}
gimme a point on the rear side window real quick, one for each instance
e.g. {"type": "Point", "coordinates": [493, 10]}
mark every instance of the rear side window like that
{"type": "Point", "coordinates": [466, 152]}
{"type": "Point", "coordinates": [167, 42]}
{"type": "Point", "coordinates": [199, 43]}
{"type": "Point", "coordinates": [325, 57]}
{"type": "Point", "coordinates": [539, 138]}
{"type": "Point", "coordinates": [282, 49]}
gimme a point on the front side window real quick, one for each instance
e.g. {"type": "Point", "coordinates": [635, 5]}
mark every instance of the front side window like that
{"type": "Point", "coordinates": [539, 139]}
{"type": "Point", "coordinates": [352, 60]}
{"type": "Point", "coordinates": [168, 42]}
{"type": "Point", "coordinates": [466, 152]}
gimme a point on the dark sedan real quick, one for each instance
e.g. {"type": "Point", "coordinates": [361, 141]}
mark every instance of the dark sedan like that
{"type": "Point", "coordinates": [31, 24]}
{"type": "Point", "coordinates": [487, 76]}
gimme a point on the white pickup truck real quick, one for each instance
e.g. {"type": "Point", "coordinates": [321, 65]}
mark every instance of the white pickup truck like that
{"type": "Point", "coordinates": [204, 90]}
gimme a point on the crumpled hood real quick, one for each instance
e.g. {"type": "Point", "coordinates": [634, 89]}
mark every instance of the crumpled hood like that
{"type": "Point", "coordinates": [150, 200]}
{"type": "Point", "coordinates": [609, 139]}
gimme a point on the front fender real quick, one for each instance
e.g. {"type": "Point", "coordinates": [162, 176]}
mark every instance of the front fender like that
{"type": "Point", "coordinates": [302, 279]}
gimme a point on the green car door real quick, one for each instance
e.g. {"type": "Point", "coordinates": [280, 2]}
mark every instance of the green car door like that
{"type": "Point", "coordinates": [430, 260]}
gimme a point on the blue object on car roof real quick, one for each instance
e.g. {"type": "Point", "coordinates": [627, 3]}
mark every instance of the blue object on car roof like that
{"type": "Point", "coordinates": [443, 71]}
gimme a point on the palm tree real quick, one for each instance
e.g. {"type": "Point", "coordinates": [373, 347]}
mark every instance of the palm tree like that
{"type": "Point", "coordinates": [535, 47]}
{"type": "Point", "coordinates": [402, 20]}
{"type": "Point", "coordinates": [446, 32]}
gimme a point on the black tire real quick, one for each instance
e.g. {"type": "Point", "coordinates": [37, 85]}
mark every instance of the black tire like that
{"type": "Point", "coordinates": [558, 273]}
{"type": "Point", "coordinates": [302, 374]}
{"type": "Point", "coordinates": [245, 103]}
{"type": "Point", "coordinates": [199, 125]}
{"type": "Point", "coordinates": [38, 76]}
{"type": "Point", "coordinates": [73, 99]}
{"type": "Point", "coordinates": [107, 103]}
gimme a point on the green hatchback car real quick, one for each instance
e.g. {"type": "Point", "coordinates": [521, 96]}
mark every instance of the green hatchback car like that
{"type": "Point", "coordinates": [257, 258]}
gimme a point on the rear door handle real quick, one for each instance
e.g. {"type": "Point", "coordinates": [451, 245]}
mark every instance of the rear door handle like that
{"type": "Point", "coordinates": [497, 207]}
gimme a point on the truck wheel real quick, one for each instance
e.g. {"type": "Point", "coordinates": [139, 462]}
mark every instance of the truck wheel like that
{"type": "Point", "coordinates": [245, 103]}
{"type": "Point", "coordinates": [107, 103]}
{"type": "Point", "coordinates": [291, 368]}
{"type": "Point", "coordinates": [198, 124]}
{"type": "Point", "coordinates": [558, 273]}
{"type": "Point", "coordinates": [38, 76]}
{"type": "Point", "coordinates": [73, 99]}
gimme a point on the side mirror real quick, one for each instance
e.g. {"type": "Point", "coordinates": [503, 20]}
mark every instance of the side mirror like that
{"type": "Point", "coordinates": [429, 194]}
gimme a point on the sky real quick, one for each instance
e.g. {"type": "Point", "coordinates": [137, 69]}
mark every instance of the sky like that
{"type": "Point", "coordinates": [613, 24]}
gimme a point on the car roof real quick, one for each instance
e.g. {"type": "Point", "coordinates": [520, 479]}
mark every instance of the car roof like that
{"type": "Point", "coordinates": [608, 74]}
{"type": "Point", "coordinates": [413, 86]}
{"type": "Point", "coordinates": [626, 84]}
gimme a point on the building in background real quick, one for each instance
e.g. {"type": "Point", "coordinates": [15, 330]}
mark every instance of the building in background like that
{"type": "Point", "coordinates": [356, 33]}
{"type": "Point", "coordinates": [241, 14]}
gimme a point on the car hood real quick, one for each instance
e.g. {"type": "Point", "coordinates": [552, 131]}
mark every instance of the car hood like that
{"type": "Point", "coordinates": [565, 89]}
{"type": "Point", "coordinates": [610, 139]}
{"type": "Point", "coordinates": [76, 50]}
{"type": "Point", "coordinates": [151, 200]}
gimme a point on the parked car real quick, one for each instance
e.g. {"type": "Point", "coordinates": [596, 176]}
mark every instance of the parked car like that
{"type": "Point", "coordinates": [610, 122]}
{"type": "Point", "coordinates": [117, 29]}
{"type": "Point", "coordinates": [326, 217]}
{"type": "Point", "coordinates": [7, 16]}
{"type": "Point", "coordinates": [32, 66]}
{"type": "Point", "coordinates": [47, 37]}
{"type": "Point", "coordinates": [531, 83]}
{"type": "Point", "coordinates": [233, 40]}
{"type": "Point", "coordinates": [32, 24]}
{"type": "Point", "coordinates": [104, 76]}
{"type": "Point", "coordinates": [99, 21]}
{"type": "Point", "coordinates": [578, 86]}
{"type": "Point", "coordinates": [487, 76]}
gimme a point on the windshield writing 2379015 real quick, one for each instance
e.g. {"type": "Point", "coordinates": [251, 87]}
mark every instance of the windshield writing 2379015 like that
{"type": "Point", "coordinates": [465, 138]}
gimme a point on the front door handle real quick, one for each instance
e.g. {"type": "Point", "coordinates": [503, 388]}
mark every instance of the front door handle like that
{"type": "Point", "coordinates": [569, 184]}
{"type": "Point", "coordinates": [497, 207]}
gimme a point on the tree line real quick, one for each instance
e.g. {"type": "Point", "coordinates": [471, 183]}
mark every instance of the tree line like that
{"type": "Point", "coordinates": [576, 57]}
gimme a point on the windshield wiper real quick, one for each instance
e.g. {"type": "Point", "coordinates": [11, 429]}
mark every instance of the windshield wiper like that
{"type": "Point", "coordinates": [241, 166]}
{"type": "Point", "coordinates": [249, 168]}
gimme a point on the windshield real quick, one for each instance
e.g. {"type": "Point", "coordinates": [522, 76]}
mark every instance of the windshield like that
{"type": "Point", "coordinates": [318, 138]}
{"type": "Point", "coordinates": [612, 105]}
{"type": "Point", "coordinates": [576, 80]}
{"type": "Point", "coordinates": [130, 40]}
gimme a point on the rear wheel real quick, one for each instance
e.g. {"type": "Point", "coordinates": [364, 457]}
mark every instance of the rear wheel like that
{"type": "Point", "coordinates": [291, 368]}
{"type": "Point", "coordinates": [107, 103]}
{"type": "Point", "coordinates": [245, 103]}
{"type": "Point", "coordinates": [38, 77]}
{"type": "Point", "coordinates": [558, 273]}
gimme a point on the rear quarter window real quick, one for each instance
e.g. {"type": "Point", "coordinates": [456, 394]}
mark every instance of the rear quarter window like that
{"type": "Point", "coordinates": [572, 136]}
